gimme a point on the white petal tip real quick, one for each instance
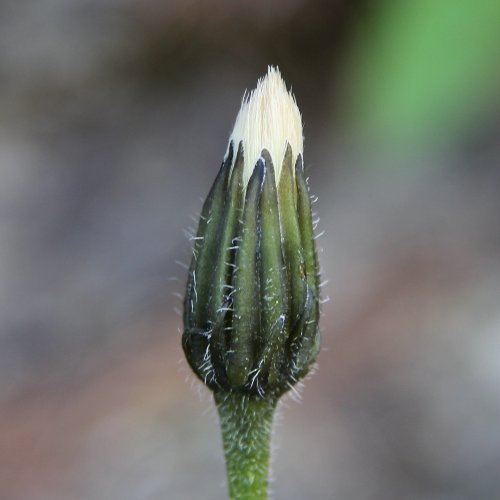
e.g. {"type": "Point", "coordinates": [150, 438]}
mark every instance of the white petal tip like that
{"type": "Point", "coordinates": [268, 119]}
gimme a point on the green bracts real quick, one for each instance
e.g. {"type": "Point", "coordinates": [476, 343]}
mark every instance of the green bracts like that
{"type": "Point", "coordinates": [252, 302]}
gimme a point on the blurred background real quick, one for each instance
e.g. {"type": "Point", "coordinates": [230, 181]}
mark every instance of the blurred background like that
{"type": "Point", "coordinates": [115, 116]}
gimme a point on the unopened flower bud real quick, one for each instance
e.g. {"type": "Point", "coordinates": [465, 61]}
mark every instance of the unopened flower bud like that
{"type": "Point", "coordinates": [252, 302]}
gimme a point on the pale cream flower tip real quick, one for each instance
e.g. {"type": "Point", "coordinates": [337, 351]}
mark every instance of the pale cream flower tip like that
{"type": "Point", "coordinates": [268, 119]}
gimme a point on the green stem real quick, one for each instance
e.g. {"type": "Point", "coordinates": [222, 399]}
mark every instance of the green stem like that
{"type": "Point", "coordinates": [246, 424]}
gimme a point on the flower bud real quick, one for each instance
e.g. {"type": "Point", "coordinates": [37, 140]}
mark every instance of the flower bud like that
{"type": "Point", "coordinates": [252, 301]}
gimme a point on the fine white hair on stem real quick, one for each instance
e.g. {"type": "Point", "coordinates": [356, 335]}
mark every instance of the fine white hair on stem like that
{"type": "Point", "coordinates": [268, 119]}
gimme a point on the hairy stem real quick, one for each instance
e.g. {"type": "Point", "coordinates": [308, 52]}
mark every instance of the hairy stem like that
{"type": "Point", "coordinates": [246, 424]}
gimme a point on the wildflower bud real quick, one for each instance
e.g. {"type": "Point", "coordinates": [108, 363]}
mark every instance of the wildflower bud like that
{"type": "Point", "coordinates": [252, 301]}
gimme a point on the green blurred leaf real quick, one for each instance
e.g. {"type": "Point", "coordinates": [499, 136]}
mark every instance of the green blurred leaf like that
{"type": "Point", "coordinates": [427, 71]}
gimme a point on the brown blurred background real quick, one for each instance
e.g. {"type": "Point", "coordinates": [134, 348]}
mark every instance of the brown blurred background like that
{"type": "Point", "coordinates": [114, 119]}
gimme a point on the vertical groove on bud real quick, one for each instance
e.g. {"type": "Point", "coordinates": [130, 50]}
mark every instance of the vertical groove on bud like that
{"type": "Point", "coordinates": [291, 238]}
{"type": "Point", "coordinates": [305, 340]}
{"type": "Point", "coordinates": [246, 283]}
{"type": "Point", "coordinates": [273, 282]}
{"type": "Point", "coordinates": [196, 339]}
{"type": "Point", "coordinates": [220, 303]}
